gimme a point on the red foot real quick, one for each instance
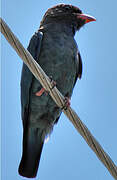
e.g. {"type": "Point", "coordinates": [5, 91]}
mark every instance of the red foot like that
{"type": "Point", "coordinates": [39, 93]}
{"type": "Point", "coordinates": [67, 103]}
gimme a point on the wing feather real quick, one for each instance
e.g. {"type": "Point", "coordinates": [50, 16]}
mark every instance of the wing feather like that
{"type": "Point", "coordinates": [26, 77]}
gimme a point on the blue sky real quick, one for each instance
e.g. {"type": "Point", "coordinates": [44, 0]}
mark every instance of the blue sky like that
{"type": "Point", "coordinates": [66, 155]}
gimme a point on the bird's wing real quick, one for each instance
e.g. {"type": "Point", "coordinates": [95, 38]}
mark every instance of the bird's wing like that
{"type": "Point", "coordinates": [79, 71]}
{"type": "Point", "coordinates": [78, 67]}
{"type": "Point", "coordinates": [26, 77]}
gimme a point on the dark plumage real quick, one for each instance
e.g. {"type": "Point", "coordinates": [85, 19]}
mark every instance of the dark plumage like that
{"type": "Point", "coordinates": [56, 51]}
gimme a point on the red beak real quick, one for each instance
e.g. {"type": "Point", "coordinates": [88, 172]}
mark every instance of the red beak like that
{"type": "Point", "coordinates": [86, 17]}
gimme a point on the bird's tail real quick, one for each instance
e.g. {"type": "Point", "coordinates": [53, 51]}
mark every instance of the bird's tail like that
{"type": "Point", "coordinates": [32, 148]}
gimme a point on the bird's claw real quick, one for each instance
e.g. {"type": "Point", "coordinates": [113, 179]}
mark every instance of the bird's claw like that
{"type": "Point", "coordinates": [39, 93]}
{"type": "Point", "coordinates": [66, 103]}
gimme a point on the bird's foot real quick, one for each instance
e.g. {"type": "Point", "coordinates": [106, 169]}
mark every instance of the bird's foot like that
{"type": "Point", "coordinates": [39, 93]}
{"type": "Point", "coordinates": [66, 103]}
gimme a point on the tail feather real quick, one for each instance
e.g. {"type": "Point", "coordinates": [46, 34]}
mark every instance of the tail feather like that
{"type": "Point", "coordinates": [32, 148]}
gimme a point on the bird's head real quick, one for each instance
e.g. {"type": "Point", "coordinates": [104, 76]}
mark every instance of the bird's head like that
{"type": "Point", "coordinates": [65, 13]}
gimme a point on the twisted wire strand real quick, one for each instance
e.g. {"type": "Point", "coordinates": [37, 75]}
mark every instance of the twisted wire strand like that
{"type": "Point", "coordinates": [58, 98]}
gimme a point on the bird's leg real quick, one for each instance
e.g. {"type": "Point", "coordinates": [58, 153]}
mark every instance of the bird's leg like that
{"type": "Point", "coordinates": [66, 103]}
{"type": "Point", "coordinates": [39, 93]}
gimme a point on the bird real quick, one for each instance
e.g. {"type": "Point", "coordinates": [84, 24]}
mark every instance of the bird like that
{"type": "Point", "coordinates": [54, 48]}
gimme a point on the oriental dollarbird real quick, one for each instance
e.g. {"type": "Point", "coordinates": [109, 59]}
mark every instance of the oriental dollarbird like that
{"type": "Point", "coordinates": [53, 46]}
